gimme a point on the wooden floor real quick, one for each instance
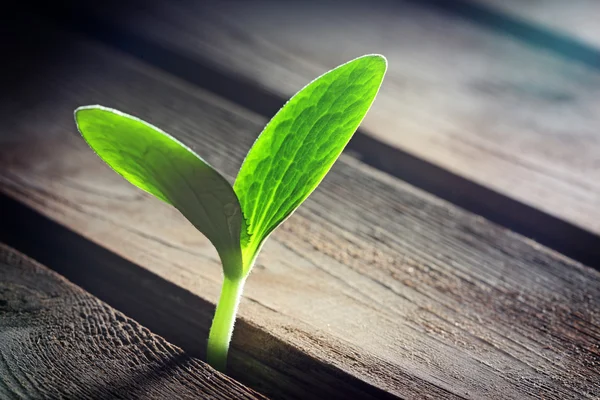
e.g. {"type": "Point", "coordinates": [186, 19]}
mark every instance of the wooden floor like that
{"type": "Point", "coordinates": [493, 108]}
{"type": "Point", "coordinates": [58, 341]}
{"type": "Point", "coordinates": [495, 115]}
{"type": "Point", "coordinates": [375, 288]}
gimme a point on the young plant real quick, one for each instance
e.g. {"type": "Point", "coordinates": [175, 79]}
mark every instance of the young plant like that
{"type": "Point", "coordinates": [286, 163]}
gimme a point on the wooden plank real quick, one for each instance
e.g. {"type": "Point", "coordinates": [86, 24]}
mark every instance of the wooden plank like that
{"type": "Point", "coordinates": [371, 277]}
{"type": "Point", "coordinates": [58, 341]}
{"type": "Point", "coordinates": [499, 112]}
{"type": "Point", "coordinates": [576, 18]}
{"type": "Point", "coordinates": [258, 358]}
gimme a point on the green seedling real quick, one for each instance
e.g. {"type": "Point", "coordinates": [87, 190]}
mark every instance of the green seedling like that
{"type": "Point", "coordinates": [286, 163]}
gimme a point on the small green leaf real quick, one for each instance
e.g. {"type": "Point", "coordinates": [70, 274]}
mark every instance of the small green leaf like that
{"type": "Point", "coordinates": [300, 144]}
{"type": "Point", "coordinates": [154, 161]}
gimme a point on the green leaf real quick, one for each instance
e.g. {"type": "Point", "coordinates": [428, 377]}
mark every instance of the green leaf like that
{"type": "Point", "coordinates": [300, 144]}
{"type": "Point", "coordinates": [154, 161]}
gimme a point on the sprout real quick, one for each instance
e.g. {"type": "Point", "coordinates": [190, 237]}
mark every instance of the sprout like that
{"type": "Point", "coordinates": [286, 163]}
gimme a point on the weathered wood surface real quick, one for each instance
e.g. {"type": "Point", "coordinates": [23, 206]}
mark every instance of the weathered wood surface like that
{"type": "Point", "coordinates": [371, 277]}
{"type": "Point", "coordinates": [515, 118]}
{"type": "Point", "coordinates": [576, 18]}
{"type": "Point", "coordinates": [58, 341]}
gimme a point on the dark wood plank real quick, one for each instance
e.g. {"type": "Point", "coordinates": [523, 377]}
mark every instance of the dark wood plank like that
{"type": "Point", "coordinates": [58, 341]}
{"type": "Point", "coordinates": [262, 360]}
{"type": "Point", "coordinates": [371, 277]}
{"type": "Point", "coordinates": [515, 118]}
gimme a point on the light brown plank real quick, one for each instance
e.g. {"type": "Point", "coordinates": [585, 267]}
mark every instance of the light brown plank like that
{"type": "Point", "coordinates": [514, 118]}
{"type": "Point", "coordinates": [576, 18]}
{"type": "Point", "coordinates": [58, 341]}
{"type": "Point", "coordinates": [371, 276]}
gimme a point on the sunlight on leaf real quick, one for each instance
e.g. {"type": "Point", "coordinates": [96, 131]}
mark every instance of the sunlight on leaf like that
{"type": "Point", "coordinates": [286, 163]}
{"type": "Point", "coordinates": [300, 144]}
{"type": "Point", "coordinates": [154, 161]}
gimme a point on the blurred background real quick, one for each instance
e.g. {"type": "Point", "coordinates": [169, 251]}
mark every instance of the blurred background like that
{"type": "Point", "coordinates": [492, 105]}
{"type": "Point", "coordinates": [374, 286]}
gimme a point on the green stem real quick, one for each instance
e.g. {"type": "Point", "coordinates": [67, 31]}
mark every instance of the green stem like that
{"type": "Point", "coordinates": [222, 326]}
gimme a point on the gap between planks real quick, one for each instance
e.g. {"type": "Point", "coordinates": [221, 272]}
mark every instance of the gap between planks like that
{"type": "Point", "coordinates": [238, 58]}
{"type": "Point", "coordinates": [371, 278]}
{"type": "Point", "coordinates": [263, 361]}
{"type": "Point", "coordinates": [57, 341]}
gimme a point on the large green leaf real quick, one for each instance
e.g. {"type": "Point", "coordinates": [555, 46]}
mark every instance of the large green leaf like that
{"type": "Point", "coordinates": [159, 164]}
{"type": "Point", "coordinates": [300, 144]}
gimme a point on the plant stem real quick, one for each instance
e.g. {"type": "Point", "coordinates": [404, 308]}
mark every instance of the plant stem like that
{"type": "Point", "coordinates": [222, 325]}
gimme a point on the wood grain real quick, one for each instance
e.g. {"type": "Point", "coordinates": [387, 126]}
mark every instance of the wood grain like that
{"type": "Point", "coordinates": [58, 341]}
{"type": "Point", "coordinates": [371, 277]}
{"type": "Point", "coordinates": [515, 118]}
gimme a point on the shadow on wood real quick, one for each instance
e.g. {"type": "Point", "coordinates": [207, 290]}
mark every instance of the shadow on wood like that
{"type": "Point", "coordinates": [556, 233]}
{"type": "Point", "coordinates": [257, 359]}
{"type": "Point", "coordinates": [58, 341]}
{"type": "Point", "coordinates": [371, 276]}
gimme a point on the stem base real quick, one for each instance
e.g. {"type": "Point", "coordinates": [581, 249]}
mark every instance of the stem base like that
{"type": "Point", "coordinates": [221, 330]}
